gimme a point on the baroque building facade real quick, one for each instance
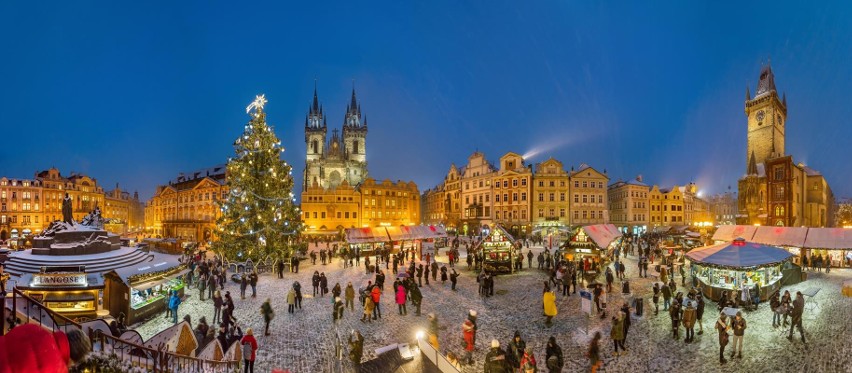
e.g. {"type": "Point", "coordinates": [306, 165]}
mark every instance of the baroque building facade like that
{"type": "Point", "coordinates": [187, 206]}
{"type": "Point", "coordinates": [628, 205]}
{"type": "Point", "coordinates": [27, 206]}
{"type": "Point", "coordinates": [775, 190]}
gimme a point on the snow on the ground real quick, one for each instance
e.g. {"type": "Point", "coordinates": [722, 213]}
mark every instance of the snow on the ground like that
{"type": "Point", "coordinates": [304, 341]}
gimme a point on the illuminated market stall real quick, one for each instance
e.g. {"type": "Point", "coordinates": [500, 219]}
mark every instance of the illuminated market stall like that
{"type": "Point", "coordinates": [498, 249]}
{"type": "Point", "coordinates": [593, 242]}
{"type": "Point", "coordinates": [729, 266]}
{"type": "Point", "coordinates": [69, 291]}
{"type": "Point", "coordinates": [141, 290]}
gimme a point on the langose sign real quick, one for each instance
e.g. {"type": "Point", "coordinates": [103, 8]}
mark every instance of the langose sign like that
{"type": "Point", "coordinates": [59, 279]}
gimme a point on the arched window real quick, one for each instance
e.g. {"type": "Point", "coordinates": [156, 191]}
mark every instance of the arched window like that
{"type": "Point", "coordinates": [355, 147]}
{"type": "Point", "coordinates": [779, 210]}
{"type": "Point", "coordinates": [314, 147]}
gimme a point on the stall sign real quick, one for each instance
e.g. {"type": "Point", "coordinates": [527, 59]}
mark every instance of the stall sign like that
{"type": "Point", "coordinates": [586, 302]}
{"type": "Point", "coordinates": [587, 251]}
{"type": "Point", "coordinates": [59, 279]}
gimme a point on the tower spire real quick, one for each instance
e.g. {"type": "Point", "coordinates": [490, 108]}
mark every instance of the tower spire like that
{"type": "Point", "coordinates": [752, 165]}
{"type": "Point", "coordinates": [748, 93]}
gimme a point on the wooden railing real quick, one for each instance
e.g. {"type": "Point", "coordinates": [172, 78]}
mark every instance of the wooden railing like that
{"type": "Point", "coordinates": [150, 358]}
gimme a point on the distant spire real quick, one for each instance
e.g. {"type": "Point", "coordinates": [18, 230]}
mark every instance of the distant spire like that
{"type": "Point", "coordinates": [752, 165]}
{"type": "Point", "coordinates": [784, 100]}
{"type": "Point", "coordinates": [315, 107]}
{"type": "Point", "coordinates": [748, 93]}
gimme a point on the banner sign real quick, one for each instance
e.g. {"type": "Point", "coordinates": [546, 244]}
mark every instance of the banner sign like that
{"type": "Point", "coordinates": [59, 279]}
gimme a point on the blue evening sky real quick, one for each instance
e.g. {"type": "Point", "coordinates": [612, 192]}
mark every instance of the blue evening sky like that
{"type": "Point", "coordinates": [135, 92]}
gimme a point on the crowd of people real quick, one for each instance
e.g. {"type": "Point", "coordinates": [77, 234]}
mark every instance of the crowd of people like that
{"type": "Point", "coordinates": [408, 269]}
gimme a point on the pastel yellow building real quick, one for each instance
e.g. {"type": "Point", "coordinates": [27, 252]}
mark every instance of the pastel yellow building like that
{"type": "Point", "coordinates": [512, 188]}
{"type": "Point", "coordinates": [550, 194]}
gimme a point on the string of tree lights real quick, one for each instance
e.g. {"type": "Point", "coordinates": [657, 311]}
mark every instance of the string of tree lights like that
{"type": "Point", "coordinates": [259, 216]}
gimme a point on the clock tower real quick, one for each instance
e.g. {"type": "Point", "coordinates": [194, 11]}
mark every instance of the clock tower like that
{"type": "Point", "coordinates": [766, 114]}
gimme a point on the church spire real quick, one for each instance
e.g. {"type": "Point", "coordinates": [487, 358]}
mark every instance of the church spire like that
{"type": "Point", "coordinates": [767, 81]}
{"type": "Point", "coordinates": [752, 165]}
{"type": "Point", "coordinates": [748, 93]}
{"type": "Point", "coordinates": [353, 111]}
{"type": "Point", "coordinates": [315, 117]}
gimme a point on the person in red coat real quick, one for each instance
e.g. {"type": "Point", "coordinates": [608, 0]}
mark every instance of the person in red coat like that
{"type": "Point", "coordinates": [249, 340]}
{"type": "Point", "coordinates": [469, 334]}
{"type": "Point", "coordinates": [376, 295]}
{"type": "Point", "coordinates": [32, 349]}
{"type": "Point", "coordinates": [400, 300]}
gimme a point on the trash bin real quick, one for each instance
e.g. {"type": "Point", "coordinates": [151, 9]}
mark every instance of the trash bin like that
{"type": "Point", "coordinates": [625, 287]}
{"type": "Point", "coordinates": [639, 305]}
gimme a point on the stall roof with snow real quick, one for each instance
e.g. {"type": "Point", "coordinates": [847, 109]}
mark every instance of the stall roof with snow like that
{"type": "Point", "coordinates": [602, 235]}
{"type": "Point", "coordinates": [780, 236]}
{"type": "Point", "coordinates": [829, 238]}
{"type": "Point", "coordinates": [729, 233]}
{"type": "Point", "coordinates": [739, 254]}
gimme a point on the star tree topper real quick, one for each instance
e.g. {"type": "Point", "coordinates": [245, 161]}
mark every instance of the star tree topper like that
{"type": "Point", "coordinates": [257, 104]}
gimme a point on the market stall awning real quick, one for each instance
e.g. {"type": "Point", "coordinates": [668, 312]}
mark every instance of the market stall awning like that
{"type": "Point", "coordinates": [429, 231]}
{"type": "Point", "coordinates": [739, 253]}
{"type": "Point", "coordinates": [157, 262]}
{"type": "Point", "coordinates": [602, 234]}
{"type": "Point", "coordinates": [781, 236]}
{"type": "Point", "coordinates": [731, 232]}
{"type": "Point", "coordinates": [829, 238]}
{"type": "Point", "coordinates": [367, 235]}
{"type": "Point", "coordinates": [403, 233]}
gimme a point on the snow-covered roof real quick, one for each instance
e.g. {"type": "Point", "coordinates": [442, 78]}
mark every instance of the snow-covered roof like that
{"type": "Point", "coordinates": [739, 254]}
{"type": "Point", "coordinates": [829, 238]}
{"type": "Point", "coordinates": [156, 263]}
{"type": "Point", "coordinates": [780, 236]}
{"type": "Point", "coordinates": [602, 234]}
{"type": "Point", "coordinates": [732, 232]}
{"type": "Point", "coordinates": [811, 172]}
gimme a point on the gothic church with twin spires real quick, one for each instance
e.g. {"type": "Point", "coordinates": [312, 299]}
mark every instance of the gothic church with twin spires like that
{"type": "Point", "coordinates": [330, 162]}
{"type": "Point", "coordinates": [337, 192]}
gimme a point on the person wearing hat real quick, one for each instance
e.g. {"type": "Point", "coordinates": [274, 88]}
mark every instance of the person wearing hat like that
{"type": "Point", "coordinates": [528, 364]}
{"type": "Point", "coordinates": [469, 334]}
{"type": "Point", "coordinates": [249, 348]}
{"type": "Point", "coordinates": [516, 351]}
{"type": "Point", "coordinates": [722, 327]}
{"type": "Point", "coordinates": [337, 309]}
{"type": "Point", "coordinates": [495, 360]}
{"type": "Point", "coordinates": [739, 326]}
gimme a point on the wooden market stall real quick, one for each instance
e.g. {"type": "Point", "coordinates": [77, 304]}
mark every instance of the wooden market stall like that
{"type": "Point", "coordinates": [592, 243]}
{"type": "Point", "coordinates": [142, 290]}
{"type": "Point", "coordinates": [499, 251]}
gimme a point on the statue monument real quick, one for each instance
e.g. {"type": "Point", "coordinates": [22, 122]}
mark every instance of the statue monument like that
{"type": "Point", "coordinates": [67, 212]}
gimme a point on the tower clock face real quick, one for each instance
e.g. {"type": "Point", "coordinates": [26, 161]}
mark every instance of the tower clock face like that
{"type": "Point", "coordinates": [760, 115]}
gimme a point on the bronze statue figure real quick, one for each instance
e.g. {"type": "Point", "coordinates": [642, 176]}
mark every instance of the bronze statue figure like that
{"type": "Point", "coordinates": [67, 215]}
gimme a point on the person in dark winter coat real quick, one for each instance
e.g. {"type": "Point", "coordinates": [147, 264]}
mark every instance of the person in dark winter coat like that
{"type": "Point", "coordinates": [244, 282]}
{"type": "Point", "coordinates": [335, 291]}
{"type": "Point", "coordinates": [420, 276]}
{"type": "Point", "coordinates": [443, 274]}
{"type": "Point", "coordinates": [315, 281]}
{"type": "Point", "coordinates": [454, 278]}
{"type": "Point", "coordinates": [268, 314]}
{"type": "Point", "coordinates": [553, 356]}
{"type": "Point", "coordinates": [516, 351]}
{"type": "Point", "coordinates": [416, 297]}
{"type": "Point", "coordinates": [495, 360]}
{"type": "Point", "coordinates": [323, 284]}
{"type": "Point", "coordinates": [656, 298]}
{"type": "Point", "coordinates": [435, 271]}
{"type": "Point", "coordinates": [674, 313]}
{"type": "Point", "coordinates": [722, 327]}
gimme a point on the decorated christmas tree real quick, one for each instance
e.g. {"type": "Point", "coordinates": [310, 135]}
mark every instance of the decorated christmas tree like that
{"type": "Point", "coordinates": [259, 215]}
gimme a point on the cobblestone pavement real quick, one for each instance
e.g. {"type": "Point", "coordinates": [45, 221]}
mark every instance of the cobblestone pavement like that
{"type": "Point", "coordinates": [305, 341]}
